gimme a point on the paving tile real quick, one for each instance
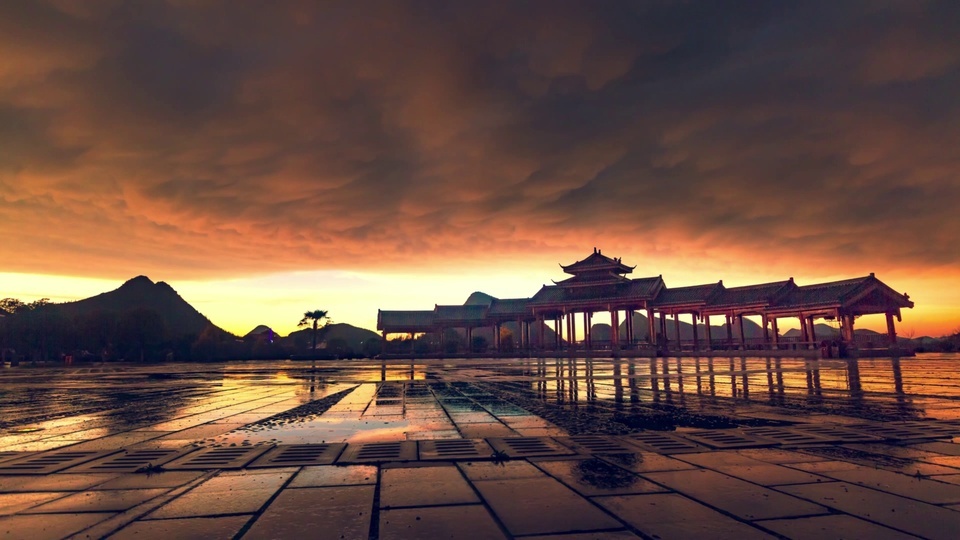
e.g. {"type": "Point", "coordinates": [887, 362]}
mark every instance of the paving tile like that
{"type": "Point", "coordinates": [11, 503]}
{"type": "Point", "coordinates": [48, 526]}
{"type": "Point", "coordinates": [746, 468]}
{"type": "Point", "coordinates": [454, 449]}
{"type": "Point", "coordinates": [52, 482]}
{"type": "Point", "coordinates": [669, 515]}
{"type": "Point", "coordinates": [321, 513]}
{"type": "Point", "coordinates": [914, 487]}
{"type": "Point", "coordinates": [376, 452]}
{"type": "Point", "coordinates": [50, 462]}
{"type": "Point", "coordinates": [605, 535]}
{"type": "Point", "coordinates": [98, 501]}
{"type": "Point", "coordinates": [228, 493]}
{"type": "Point", "coordinates": [643, 462]}
{"type": "Point", "coordinates": [740, 498]}
{"type": "Point", "coordinates": [201, 528]}
{"type": "Point", "coordinates": [833, 527]}
{"type": "Point", "coordinates": [472, 521]}
{"type": "Point", "coordinates": [539, 506]}
{"type": "Point", "coordinates": [515, 447]}
{"type": "Point", "coordinates": [168, 479]}
{"type": "Point", "coordinates": [939, 447]}
{"type": "Point", "coordinates": [594, 476]}
{"type": "Point", "coordinates": [226, 457]}
{"type": "Point", "coordinates": [910, 516]}
{"type": "Point", "coordinates": [779, 456]}
{"type": "Point", "coordinates": [424, 486]}
{"type": "Point", "coordinates": [483, 431]}
{"type": "Point", "coordinates": [508, 470]}
{"type": "Point", "coordinates": [335, 475]}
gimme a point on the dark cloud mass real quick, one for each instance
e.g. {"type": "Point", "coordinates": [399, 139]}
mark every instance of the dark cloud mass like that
{"type": "Point", "coordinates": [222, 138]}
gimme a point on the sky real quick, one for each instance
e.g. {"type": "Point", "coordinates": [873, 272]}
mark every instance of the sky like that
{"type": "Point", "coordinates": [268, 158]}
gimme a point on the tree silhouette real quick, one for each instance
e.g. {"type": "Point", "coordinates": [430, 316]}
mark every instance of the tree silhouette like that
{"type": "Point", "coordinates": [314, 317]}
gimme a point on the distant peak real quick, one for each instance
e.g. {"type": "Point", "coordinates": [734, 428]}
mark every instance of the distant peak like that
{"type": "Point", "coordinates": [139, 280]}
{"type": "Point", "coordinates": [479, 298]}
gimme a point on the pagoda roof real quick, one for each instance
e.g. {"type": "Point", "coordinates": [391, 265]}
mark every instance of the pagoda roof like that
{"type": "Point", "coordinates": [640, 289]}
{"type": "Point", "coordinates": [507, 307]}
{"type": "Point", "coordinates": [694, 294]}
{"type": "Point", "coordinates": [842, 293]}
{"type": "Point", "coordinates": [457, 314]}
{"type": "Point", "coordinates": [592, 278]}
{"type": "Point", "coordinates": [405, 321]}
{"type": "Point", "coordinates": [597, 261]}
{"type": "Point", "coordinates": [763, 294]}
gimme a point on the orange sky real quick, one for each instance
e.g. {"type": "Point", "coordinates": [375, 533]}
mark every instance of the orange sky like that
{"type": "Point", "coordinates": [383, 154]}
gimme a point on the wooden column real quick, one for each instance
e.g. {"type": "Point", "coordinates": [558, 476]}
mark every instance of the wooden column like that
{"type": "Point", "coordinates": [813, 333]}
{"type": "Point", "coordinates": [558, 330]}
{"type": "Point", "coordinates": [891, 330]}
{"type": "Point", "coordinates": [743, 338]}
{"type": "Point", "coordinates": [629, 318]}
{"type": "Point", "coordinates": [729, 323]}
{"type": "Point", "coordinates": [470, 339]}
{"type": "Point", "coordinates": [804, 333]}
{"type": "Point", "coordinates": [776, 333]}
{"type": "Point", "coordinates": [696, 337]}
{"type": "Point", "coordinates": [706, 327]}
{"type": "Point", "coordinates": [587, 331]}
{"type": "Point", "coordinates": [540, 324]}
{"type": "Point", "coordinates": [651, 329]}
{"type": "Point", "coordinates": [496, 337]}
{"type": "Point", "coordinates": [851, 328]}
{"type": "Point", "coordinates": [614, 330]}
{"type": "Point", "coordinates": [573, 330]}
{"type": "Point", "coordinates": [766, 331]}
{"type": "Point", "coordinates": [676, 330]}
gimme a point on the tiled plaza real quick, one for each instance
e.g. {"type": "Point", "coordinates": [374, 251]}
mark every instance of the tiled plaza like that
{"type": "Point", "coordinates": [519, 448]}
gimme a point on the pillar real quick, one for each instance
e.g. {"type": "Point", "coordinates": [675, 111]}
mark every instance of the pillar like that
{"type": "Point", "coordinates": [729, 323]}
{"type": "Point", "coordinates": [587, 331]}
{"type": "Point", "coordinates": [629, 316]}
{"type": "Point", "coordinates": [696, 338]}
{"type": "Point", "coordinates": [676, 330]}
{"type": "Point", "coordinates": [743, 339]}
{"type": "Point", "coordinates": [776, 333]}
{"type": "Point", "coordinates": [614, 330]}
{"type": "Point", "coordinates": [540, 324]}
{"type": "Point", "coordinates": [891, 330]}
{"type": "Point", "coordinates": [804, 333]}
{"type": "Point", "coordinates": [813, 333]}
{"type": "Point", "coordinates": [766, 331]}
{"type": "Point", "coordinates": [663, 328]}
{"type": "Point", "coordinates": [383, 342]}
{"type": "Point", "coordinates": [706, 327]}
{"type": "Point", "coordinates": [558, 330]}
{"type": "Point", "coordinates": [851, 329]}
{"type": "Point", "coordinates": [573, 330]}
{"type": "Point", "coordinates": [496, 337]}
{"type": "Point", "coordinates": [651, 329]}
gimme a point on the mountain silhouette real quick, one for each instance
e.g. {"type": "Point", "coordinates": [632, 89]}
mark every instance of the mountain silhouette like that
{"type": "Point", "coordinates": [179, 317]}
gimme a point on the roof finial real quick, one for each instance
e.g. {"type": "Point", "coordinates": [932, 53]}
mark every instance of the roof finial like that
{"type": "Point", "coordinates": [594, 249]}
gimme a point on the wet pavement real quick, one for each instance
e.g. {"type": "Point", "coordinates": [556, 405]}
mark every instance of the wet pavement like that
{"type": "Point", "coordinates": [515, 448]}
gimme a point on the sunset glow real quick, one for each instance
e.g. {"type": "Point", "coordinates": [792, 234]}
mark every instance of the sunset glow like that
{"type": "Point", "coordinates": [395, 155]}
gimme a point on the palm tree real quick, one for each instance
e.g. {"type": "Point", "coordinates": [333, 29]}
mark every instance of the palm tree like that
{"type": "Point", "coordinates": [314, 317]}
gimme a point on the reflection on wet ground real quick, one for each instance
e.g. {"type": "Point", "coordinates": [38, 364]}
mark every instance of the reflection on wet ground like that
{"type": "Point", "coordinates": [48, 408]}
{"type": "Point", "coordinates": [612, 481]}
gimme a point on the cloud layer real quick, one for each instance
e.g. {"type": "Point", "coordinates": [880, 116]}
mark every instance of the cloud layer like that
{"type": "Point", "coordinates": [215, 138]}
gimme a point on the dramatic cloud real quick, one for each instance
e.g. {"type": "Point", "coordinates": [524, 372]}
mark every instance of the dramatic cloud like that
{"type": "Point", "coordinates": [224, 138]}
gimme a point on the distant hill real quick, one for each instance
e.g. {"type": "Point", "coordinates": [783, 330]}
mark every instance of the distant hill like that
{"type": "Point", "coordinates": [179, 317]}
{"type": "Point", "coordinates": [824, 330]}
{"type": "Point", "coordinates": [258, 331]}
{"type": "Point", "coordinates": [479, 299]}
{"type": "Point", "coordinates": [352, 335]}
